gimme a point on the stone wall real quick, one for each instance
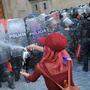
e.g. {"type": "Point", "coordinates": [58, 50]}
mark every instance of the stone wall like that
{"type": "Point", "coordinates": [21, 8]}
{"type": "Point", "coordinates": [16, 8]}
{"type": "Point", "coordinates": [60, 4]}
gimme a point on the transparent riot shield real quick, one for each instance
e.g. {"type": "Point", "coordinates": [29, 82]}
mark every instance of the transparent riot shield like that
{"type": "Point", "coordinates": [17, 36]}
{"type": "Point", "coordinates": [4, 48]}
{"type": "Point", "coordinates": [34, 30]}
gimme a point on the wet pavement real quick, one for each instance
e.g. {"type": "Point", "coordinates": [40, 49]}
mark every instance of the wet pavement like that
{"type": "Point", "coordinates": [81, 78]}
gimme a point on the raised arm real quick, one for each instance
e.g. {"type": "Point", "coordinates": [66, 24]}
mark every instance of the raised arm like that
{"type": "Point", "coordinates": [35, 47]}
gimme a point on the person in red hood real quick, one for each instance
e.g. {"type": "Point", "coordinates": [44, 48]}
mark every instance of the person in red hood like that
{"type": "Point", "coordinates": [53, 65]}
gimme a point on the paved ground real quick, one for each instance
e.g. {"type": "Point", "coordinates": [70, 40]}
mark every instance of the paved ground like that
{"type": "Point", "coordinates": [81, 78]}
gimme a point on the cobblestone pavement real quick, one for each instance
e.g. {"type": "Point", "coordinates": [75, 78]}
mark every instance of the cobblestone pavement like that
{"type": "Point", "coordinates": [81, 78]}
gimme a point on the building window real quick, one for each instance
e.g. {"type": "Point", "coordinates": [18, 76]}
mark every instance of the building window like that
{"type": "Point", "coordinates": [36, 7]}
{"type": "Point", "coordinates": [45, 6]}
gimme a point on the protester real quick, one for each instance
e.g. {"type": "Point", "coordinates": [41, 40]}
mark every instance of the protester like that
{"type": "Point", "coordinates": [6, 74]}
{"type": "Point", "coordinates": [53, 65]}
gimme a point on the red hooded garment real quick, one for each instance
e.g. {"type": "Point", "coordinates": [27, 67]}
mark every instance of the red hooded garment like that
{"type": "Point", "coordinates": [53, 63]}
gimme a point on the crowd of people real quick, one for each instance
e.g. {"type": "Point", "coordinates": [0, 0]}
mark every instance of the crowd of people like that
{"type": "Point", "coordinates": [59, 27]}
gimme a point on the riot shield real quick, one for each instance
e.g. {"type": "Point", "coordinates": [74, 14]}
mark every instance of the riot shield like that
{"type": "Point", "coordinates": [4, 48]}
{"type": "Point", "coordinates": [34, 30]}
{"type": "Point", "coordinates": [17, 36]}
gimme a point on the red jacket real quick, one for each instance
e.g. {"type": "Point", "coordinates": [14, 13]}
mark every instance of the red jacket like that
{"type": "Point", "coordinates": [58, 77]}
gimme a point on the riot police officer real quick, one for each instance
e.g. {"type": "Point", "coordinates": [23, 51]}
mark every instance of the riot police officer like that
{"type": "Point", "coordinates": [6, 72]}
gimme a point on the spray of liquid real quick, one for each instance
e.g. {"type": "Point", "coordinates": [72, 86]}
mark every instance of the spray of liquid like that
{"type": "Point", "coordinates": [3, 44]}
{"type": "Point", "coordinates": [16, 47]}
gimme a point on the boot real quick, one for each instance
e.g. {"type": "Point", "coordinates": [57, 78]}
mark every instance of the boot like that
{"type": "Point", "coordinates": [0, 84]}
{"type": "Point", "coordinates": [10, 80]}
{"type": "Point", "coordinates": [17, 75]}
{"type": "Point", "coordinates": [85, 65]}
{"type": "Point", "coordinates": [11, 83]}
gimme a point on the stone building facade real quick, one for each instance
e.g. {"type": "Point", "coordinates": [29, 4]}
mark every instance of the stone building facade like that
{"type": "Point", "coordinates": [61, 4]}
{"type": "Point", "coordinates": [21, 8]}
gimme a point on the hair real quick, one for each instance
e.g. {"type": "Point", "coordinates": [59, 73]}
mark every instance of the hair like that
{"type": "Point", "coordinates": [50, 55]}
